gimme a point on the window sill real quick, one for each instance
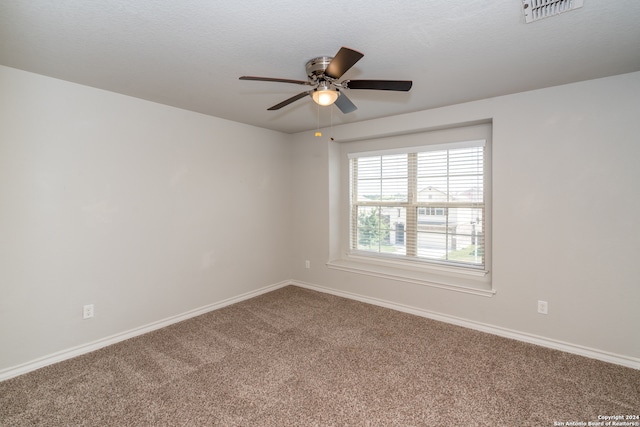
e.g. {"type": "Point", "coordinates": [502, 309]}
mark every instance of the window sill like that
{"type": "Point", "coordinates": [460, 280]}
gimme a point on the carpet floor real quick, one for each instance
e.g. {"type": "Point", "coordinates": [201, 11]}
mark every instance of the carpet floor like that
{"type": "Point", "coordinates": [299, 357]}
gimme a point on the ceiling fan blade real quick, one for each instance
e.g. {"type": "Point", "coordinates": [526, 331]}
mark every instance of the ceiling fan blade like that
{"type": "Point", "coordinates": [399, 85]}
{"type": "Point", "coordinates": [290, 100]}
{"type": "Point", "coordinates": [344, 104]}
{"type": "Point", "coordinates": [344, 59]}
{"type": "Point", "coordinates": [271, 79]}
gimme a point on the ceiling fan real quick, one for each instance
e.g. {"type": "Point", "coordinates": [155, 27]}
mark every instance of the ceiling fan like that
{"type": "Point", "coordinates": [323, 74]}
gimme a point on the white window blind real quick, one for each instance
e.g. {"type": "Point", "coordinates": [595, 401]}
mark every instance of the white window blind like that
{"type": "Point", "coordinates": [423, 203]}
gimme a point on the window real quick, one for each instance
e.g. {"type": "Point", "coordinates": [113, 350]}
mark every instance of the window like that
{"type": "Point", "coordinates": [424, 204]}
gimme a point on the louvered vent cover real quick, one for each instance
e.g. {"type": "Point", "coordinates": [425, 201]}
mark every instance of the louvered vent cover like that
{"type": "Point", "coordinates": [534, 10]}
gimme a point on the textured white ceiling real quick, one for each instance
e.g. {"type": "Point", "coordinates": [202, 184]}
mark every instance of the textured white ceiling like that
{"type": "Point", "coordinates": [190, 53]}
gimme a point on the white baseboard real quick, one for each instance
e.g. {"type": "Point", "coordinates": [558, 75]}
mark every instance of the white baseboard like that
{"type": "Point", "coordinates": [24, 368]}
{"type": "Point", "coordinates": [60, 356]}
{"type": "Point", "coordinates": [592, 353]}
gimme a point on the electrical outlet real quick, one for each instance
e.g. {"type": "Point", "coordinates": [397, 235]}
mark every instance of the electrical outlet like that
{"type": "Point", "coordinates": [87, 311]}
{"type": "Point", "coordinates": [543, 307]}
{"type": "Point", "coordinates": [307, 264]}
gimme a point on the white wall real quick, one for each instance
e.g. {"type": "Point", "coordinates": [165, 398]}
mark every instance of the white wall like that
{"type": "Point", "coordinates": [133, 206]}
{"type": "Point", "coordinates": [566, 212]}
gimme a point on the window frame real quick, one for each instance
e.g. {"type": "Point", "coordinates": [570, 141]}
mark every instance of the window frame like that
{"type": "Point", "coordinates": [412, 204]}
{"type": "Point", "coordinates": [460, 279]}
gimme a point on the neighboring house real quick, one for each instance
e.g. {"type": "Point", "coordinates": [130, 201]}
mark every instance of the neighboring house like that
{"type": "Point", "coordinates": [434, 216]}
{"type": "Point", "coordinates": [461, 224]}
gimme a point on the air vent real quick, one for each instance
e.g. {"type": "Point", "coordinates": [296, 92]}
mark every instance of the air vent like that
{"type": "Point", "coordinates": [535, 10]}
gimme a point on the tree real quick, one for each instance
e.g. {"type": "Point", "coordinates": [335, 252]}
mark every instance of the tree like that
{"type": "Point", "coordinates": [373, 228]}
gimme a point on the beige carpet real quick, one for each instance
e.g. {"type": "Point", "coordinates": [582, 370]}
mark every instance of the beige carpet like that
{"type": "Point", "coordinates": [299, 357]}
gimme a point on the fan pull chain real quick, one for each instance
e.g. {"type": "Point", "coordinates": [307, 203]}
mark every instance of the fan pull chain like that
{"type": "Point", "coordinates": [318, 133]}
{"type": "Point", "coordinates": [331, 123]}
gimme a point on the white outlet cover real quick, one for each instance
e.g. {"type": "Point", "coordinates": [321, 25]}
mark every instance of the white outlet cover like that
{"type": "Point", "coordinates": [87, 311]}
{"type": "Point", "coordinates": [543, 307]}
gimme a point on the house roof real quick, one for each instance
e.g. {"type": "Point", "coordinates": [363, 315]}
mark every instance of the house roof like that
{"type": "Point", "coordinates": [190, 53]}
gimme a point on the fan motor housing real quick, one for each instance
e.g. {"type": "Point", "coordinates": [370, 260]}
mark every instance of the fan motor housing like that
{"type": "Point", "coordinates": [317, 66]}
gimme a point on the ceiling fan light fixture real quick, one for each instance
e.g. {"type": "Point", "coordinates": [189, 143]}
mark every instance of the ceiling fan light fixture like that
{"type": "Point", "coordinates": [324, 96]}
